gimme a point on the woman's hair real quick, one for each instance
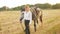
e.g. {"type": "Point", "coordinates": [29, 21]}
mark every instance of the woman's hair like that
{"type": "Point", "coordinates": [27, 5]}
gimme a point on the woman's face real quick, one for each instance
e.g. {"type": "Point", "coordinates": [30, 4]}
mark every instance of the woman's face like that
{"type": "Point", "coordinates": [27, 8]}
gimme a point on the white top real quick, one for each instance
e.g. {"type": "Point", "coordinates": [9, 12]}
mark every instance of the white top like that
{"type": "Point", "coordinates": [27, 16]}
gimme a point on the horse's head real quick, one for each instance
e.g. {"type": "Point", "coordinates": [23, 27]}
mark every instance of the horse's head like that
{"type": "Point", "coordinates": [35, 10]}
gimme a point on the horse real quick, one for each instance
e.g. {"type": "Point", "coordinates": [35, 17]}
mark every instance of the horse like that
{"type": "Point", "coordinates": [36, 14]}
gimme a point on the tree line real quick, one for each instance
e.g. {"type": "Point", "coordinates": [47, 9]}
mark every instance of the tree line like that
{"type": "Point", "coordinates": [42, 6]}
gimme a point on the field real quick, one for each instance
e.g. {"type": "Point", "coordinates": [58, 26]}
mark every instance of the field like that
{"type": "Point", "coordinates": [9, 23]}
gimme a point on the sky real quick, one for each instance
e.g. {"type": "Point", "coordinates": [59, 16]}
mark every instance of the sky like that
{"type": "Point", "coordinates": [14, 3]}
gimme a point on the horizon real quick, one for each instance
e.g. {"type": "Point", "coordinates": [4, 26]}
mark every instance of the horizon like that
{"type": "Point", "coordinates": [15, 3]}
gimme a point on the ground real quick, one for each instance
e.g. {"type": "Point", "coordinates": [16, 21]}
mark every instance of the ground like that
{"type": "Point", "coordinates": [10, 24]}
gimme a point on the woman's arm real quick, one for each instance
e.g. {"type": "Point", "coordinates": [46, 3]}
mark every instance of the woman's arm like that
{"type": "Point", "coordinates": [22, 16]}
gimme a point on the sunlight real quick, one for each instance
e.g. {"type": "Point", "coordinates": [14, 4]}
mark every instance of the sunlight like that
{"type": "Point", "coordinates": [14, 3]}
{"type": "Point", "coordinates": [53, 1]}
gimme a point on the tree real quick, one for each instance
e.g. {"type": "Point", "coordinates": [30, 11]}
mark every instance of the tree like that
{"type": "Point", "coordinates": [56, 6]}
{"type": "Point", "coordinates": [44, 6]}
{"type": "Point", "coordinates": [4, 8]}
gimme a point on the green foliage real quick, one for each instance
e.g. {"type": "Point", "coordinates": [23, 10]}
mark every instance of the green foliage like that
{"type": "Point", "coordinates": [3, 8]}
{"type": "Point", "coordinates": [57, 6]}
{"type": "Point", "coordinates": [42, 6]}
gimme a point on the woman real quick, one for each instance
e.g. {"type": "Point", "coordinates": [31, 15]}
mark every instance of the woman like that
{"type": "Point", "coordinates": [27, 18]}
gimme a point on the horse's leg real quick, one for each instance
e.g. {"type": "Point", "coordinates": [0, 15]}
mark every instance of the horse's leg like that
{"type": "Point", "coordinates": [41, 18]}
{"type": "Point", "coordinates": [41, 21]}
{"type": "Point", "coordinates": [37, 21]}
{"type": "Point", "coordinates": [35, 25]}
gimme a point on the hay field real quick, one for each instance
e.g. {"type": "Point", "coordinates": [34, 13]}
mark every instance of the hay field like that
{"type": "Point", "coordinates": [9, 23]}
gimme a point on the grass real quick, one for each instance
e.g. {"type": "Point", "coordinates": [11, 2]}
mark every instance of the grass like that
{"type": "Point", "coordinates": [9, 21]}
{"type": "Point", "coordinates": [50, 20]}
{"type": "Point", "coordinates": [55, 29]}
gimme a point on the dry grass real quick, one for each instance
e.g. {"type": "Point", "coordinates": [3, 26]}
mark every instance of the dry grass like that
{"type": "Point", "coordinates": [9, 22]}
